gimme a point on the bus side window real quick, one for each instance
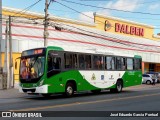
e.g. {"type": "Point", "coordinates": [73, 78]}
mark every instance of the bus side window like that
{"type": "Point", "coordinates": [110, 63]}
{"type": "Point", "coordinates": [81, 61]}
{"type": "Point", "coordinates": [123, 64]}
{"type": "Point", "coordinates": [98, 62]}
{"type": "Point", "coordinates": [68, 60]}
{"type": "Point", "coordinates": [137, 64]}
{"type": "Point", "coordinates": [57, 63]}
{"type": "Point", "coordinates": [88, 61]}
{"type": "Point", "coordinates": [75, 63]}
{"type": "Point", "coordinates": [130, 64]}
{"type": "Point", "coordinates": [118, 63]}
{"type": "Point", "coordinates": [50, 64]}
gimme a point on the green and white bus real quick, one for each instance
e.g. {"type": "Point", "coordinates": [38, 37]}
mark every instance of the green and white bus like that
{"type": "Point", "coordinates": [52, 70]}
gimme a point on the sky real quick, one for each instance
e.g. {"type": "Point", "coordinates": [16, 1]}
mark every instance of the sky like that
{"type": "Point", "coordinates": [143, 6]}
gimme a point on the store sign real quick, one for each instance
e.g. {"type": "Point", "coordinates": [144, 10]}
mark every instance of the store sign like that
{"type": "Point", "coordinates": [126, 29]}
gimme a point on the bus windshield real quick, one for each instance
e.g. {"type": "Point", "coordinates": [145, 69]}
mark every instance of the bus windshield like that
{"type": "Point", "coordinates": [32, 67]}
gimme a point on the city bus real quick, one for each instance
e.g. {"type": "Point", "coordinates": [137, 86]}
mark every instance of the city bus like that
{"type": "Point", "coordinates": [52, 70]}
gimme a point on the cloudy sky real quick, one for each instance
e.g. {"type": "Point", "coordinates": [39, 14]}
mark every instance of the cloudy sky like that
{"type": "Point", "coordinates": [68, 9]}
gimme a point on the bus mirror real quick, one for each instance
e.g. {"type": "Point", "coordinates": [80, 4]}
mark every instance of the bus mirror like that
{"type": "Point", "coordinates": [16, 65]}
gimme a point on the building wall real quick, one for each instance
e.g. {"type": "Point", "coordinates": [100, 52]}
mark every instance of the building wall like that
{"type": "Point", "coordinates": [16, 71]}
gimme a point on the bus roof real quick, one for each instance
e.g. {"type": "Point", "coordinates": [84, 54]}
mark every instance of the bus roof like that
{"type": "Point", "coordinates": [87, 50]}
{"type": "Point", "coordinates": [90, 50]}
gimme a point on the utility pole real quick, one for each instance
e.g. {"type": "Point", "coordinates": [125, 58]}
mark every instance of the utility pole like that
{"type": "Point", "coordinates": [1, 69]}
{"type": "Point", "coordinates": [11, 82]}
{"type": "Point", "coordinates": [6, 63]}
{"type": "Point", "coordinates": [46, 20]}
{"type": "Point", "coordinates": [0, 35]}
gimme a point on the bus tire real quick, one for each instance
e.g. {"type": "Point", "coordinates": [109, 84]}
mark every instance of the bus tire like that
{"type": "Point", "coordinates": [69, 90]}
{"type": "Point", "coordinates": [95, 91]}
{"type": "Point", "coordinates": [118, 89]}
{"type": "Point", "coordinates": [119, 86]}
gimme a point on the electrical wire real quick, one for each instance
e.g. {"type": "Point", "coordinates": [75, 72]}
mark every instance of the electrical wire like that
{"type": "Point", "coordinates": [109, 8]}
{"type": "Point", "coordinates": [79, 12]}
{"type": "Point", "coordinates": [114, 40]}
{"type": "Point", "coordinates": [121, 5]}
{"type": "Point", "coordinates": [83, 13]}
{"type": "Point", "coordinates": [20, 13]}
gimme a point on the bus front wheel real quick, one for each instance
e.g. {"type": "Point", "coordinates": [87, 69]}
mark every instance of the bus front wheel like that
{"type": "Point", "coordinates": [69, 91]}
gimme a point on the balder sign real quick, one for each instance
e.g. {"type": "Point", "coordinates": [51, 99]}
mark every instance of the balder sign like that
{"type": "Point", "coordinates": [126, 29]}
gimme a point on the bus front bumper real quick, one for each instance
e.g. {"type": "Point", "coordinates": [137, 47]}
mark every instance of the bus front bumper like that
{"type": "Point", "coordinates": [40, 89]}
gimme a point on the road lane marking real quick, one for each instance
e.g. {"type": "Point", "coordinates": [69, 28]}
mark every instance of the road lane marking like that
{"type": "Point", "coordinates": [82, 103]}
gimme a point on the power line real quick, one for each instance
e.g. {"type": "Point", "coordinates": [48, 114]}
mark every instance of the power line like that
{"type": "Point", "coordinates": [65, 11]}
{"type": "Point", "coordinates": [110, 8]}
{"type": "Point", "coordinates": [26, 9]}
{"type": "Point", "coordinates": [81, 12]}
{"type": "Point", "coordinates": [73, 9]}
{"type": "Point", "coordinates": [62, 11]}
{"type": "Point", "coordinates": [112, 39]}
{"type": "Point", "coordinates": [78, 12]}
{"type": "Point", "coordinates": [128, 4]}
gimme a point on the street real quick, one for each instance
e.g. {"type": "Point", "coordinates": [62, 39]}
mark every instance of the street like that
{"type": "Point", "coordinates": [137, 98]}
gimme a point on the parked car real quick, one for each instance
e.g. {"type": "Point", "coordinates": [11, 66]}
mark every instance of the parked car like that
{"type": "Point", "coordinates": [148, 78]}
{"type": "Point", "coordinates": [157, 75]}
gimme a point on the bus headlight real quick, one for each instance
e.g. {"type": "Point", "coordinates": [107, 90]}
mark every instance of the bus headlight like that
{"type": "Point", "coordinates": [41, 83]}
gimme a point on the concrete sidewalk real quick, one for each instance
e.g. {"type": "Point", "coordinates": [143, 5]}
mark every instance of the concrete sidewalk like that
{"type": "Point", "coordinates": [10, 93]}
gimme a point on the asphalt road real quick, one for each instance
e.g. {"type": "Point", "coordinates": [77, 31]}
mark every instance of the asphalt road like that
{"type": "Point", "coordinates": [138, 99]}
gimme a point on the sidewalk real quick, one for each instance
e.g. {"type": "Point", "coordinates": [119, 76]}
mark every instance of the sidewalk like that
{"type": "Point", "coordinates": [11, 93]}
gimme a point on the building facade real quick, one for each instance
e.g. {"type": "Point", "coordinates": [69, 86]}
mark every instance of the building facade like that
{"type": "Point", "coordinates": [107, 33]}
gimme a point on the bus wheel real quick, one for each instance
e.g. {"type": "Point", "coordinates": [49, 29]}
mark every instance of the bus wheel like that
{"type": "Point", "coordinates": [95, 91]}
{"type": "Point", "coordinates": [118, 88]}
{"type": "Point", "coordinates": [46, 95]}
{"type": "Point", "coordinates": [69, 91]}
